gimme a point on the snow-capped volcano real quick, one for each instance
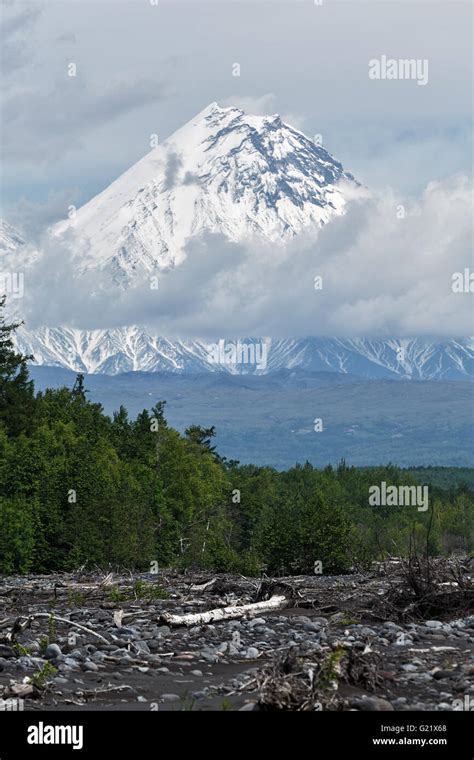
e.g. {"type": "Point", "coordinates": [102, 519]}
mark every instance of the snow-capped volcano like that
{"type": "Point", "coordinates": [245, 177]}
{"type": "Point", "coordinates": [224, 171]}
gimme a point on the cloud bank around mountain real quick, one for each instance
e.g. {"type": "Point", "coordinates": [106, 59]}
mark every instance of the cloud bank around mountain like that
{"type": "Point", "coordinates": [386, 268]}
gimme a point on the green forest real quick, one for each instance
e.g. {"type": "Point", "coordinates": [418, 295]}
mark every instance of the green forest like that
{"type": "Point", "coordinates": [81, 489]}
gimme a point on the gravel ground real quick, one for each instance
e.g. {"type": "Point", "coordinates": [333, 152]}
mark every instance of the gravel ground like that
{"type": "Point", "coordinates": [142, 664]}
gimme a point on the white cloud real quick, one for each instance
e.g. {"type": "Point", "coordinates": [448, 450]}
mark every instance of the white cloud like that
{"type": "Point", "coordinates": [259, 106]}
{"type": "Point", "coordinates": [382, 276]}
{"type": "Point", "coordinates": [263, 105]}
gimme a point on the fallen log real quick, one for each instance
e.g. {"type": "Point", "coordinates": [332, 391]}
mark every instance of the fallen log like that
{"type": "Point", "coordinates": [224, 613]}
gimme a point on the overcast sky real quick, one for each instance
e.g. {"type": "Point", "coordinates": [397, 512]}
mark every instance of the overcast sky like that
{"type": "Point", "coordinates": [143, 68]}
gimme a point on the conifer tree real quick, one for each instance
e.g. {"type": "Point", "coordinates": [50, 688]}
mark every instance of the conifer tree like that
{"type": "Point", "coordinates": [17, 401]}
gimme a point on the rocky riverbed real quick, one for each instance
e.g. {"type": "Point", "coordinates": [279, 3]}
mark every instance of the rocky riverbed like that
{"type": "Point", "coordinates": [99, 641]}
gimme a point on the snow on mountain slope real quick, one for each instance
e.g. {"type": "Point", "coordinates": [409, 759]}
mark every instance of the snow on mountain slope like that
{"type": "Point", "coordinates": [110, 351]}
{"type": "Point", "coordinates": [230, 173]}
{"type": "Point", "coordinates": [129, 349]}
{"type": "Point", "coordinates": [418, 358]}
{"type": "Point", "coordinates": [224, 171]}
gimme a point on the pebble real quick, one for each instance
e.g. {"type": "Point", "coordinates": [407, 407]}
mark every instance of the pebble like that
{"type": "Point", "coordinates": [30, 662]}
{"type": "Point", "coordinates": [127, 631]}
{"type": "Point", "coordinates": [321, 621]}
{"type": "Point", "coordinates": [70, 662]}
{"type": "Point", "coordinates": [76, 653]}
{"type": "Point", "coordinates": [98, 655]}
{"type": "Point", "coordinates": [256, 621]}
{"type": "Point", "coordinates": [439, 674]}
{"type": "Point", "coordinates": [6, 651]}
{"type": "Point", "coordinates": [262, 629]}
{"type": "Point", "coordinates": [364, 631]}
{"type": "Point", "coordinates": [251, 653]}
{"type": "Point", "coordinates": [392, 626]}
{"type": "Point", "coordinates": [90, 666]}
{"type": "Point", "coordinates": [311, 627]}
{"type": "Point", "coordinates": [421, 677]}
{"type": "Point", "coordinates": [142, 647]}
{"type": "Point", "coordinates": [209, 657]}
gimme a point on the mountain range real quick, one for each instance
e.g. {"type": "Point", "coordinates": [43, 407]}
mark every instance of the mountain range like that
{"type": "Point", "coordinates": [130, 349]}
{"type": "Point", "coordinates": [247, 178]}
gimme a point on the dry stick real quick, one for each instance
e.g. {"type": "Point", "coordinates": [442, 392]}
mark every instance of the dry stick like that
{"type": "Point", "coordinates": [203, 586]}
{"type": "Point", "coordinates": [255, 584]}
{"type": "Point", "coordinates": [430, 524]}
{"type": "Point", "coordinates": [98, 692]}
{"type": "Point", "coordinates": [69, 622]}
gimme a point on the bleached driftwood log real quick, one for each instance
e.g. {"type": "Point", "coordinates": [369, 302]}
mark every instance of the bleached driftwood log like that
{"type": "Point", "coordinates": [224, 613]}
